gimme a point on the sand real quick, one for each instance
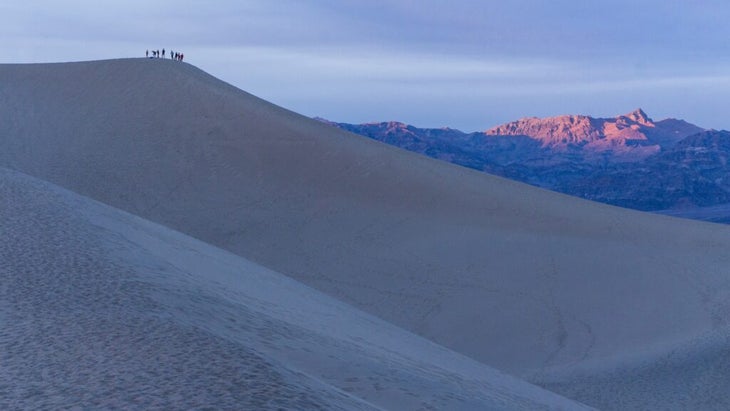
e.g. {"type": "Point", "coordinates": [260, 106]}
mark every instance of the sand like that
{"type": "Point", "coordinates": [103, 310]}
{"type": "Point", "coordinates": [541, 285]}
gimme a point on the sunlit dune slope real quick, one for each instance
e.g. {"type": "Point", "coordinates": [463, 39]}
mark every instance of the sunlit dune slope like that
{"type": "Point", "coordinates": [103, 310]}
{"type": "Point", "coordinates": [519, 278]}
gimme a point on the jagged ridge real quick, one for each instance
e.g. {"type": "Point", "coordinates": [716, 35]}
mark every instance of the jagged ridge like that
{"type": "Point", "coordinates": [629, 160]}
{"type": "Point", "coordinates": [619, 134]}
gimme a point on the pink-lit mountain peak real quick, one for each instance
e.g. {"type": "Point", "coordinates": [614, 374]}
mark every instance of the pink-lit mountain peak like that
{"type": "Point", "coordinates": [579, 129]}
{"type": "Point", "coordinates": [639, 116]}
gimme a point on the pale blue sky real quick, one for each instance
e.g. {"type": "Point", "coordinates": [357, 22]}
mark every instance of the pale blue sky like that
{"type": "Point", "coordinates": [462, 63]}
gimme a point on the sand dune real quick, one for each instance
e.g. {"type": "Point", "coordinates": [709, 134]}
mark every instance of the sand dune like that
{"type": "Point", "coordinates": [532, 282]}
{"type": "Point", "coordinates": [101, 309]}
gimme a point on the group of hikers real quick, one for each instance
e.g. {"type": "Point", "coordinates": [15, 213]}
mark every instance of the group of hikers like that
{"type": "Point", "coordinates": [156, 54]}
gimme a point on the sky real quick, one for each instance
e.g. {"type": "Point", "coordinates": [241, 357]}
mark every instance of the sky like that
{"type": "Point", "coordinates": [465, 64]}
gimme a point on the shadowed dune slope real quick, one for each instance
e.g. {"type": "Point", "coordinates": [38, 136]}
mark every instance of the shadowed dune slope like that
{"type": "Point", "coordinates": [520, 278]}
{"type": "Point", "coordinates": [103, 310]}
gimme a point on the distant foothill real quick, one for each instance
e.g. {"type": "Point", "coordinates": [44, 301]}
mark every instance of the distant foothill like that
{"type": "Point", "coordinates": [669, 166]}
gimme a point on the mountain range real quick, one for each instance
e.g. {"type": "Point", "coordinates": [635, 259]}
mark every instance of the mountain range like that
{"type": "Point", "coordinates": [668, 166]}
{"type": "Point", "coordinates": [170, 241]}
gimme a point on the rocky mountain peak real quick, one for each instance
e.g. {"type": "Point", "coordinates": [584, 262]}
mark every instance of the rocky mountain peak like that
{"type": "Point", "coordinates": [599, 134]}
{"type": "Point", "coordinates": [640, 117]}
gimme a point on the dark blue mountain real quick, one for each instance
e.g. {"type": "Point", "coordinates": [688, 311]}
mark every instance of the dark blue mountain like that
{"type": "Point", "coordinates": [629, 161]}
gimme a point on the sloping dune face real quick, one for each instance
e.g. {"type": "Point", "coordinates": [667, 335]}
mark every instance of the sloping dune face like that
{"type": "Point", "coordinates": [104, 310]}
{"type": "Point", "coordinates": [519, 278]}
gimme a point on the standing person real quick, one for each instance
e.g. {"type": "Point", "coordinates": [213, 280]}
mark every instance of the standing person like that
{"type": "Point", "coordinates": [163, 53]}
{"type": "Point", "coordinates": [146, 53]}
{"type": "Point", "coordinates": [182, 56]}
